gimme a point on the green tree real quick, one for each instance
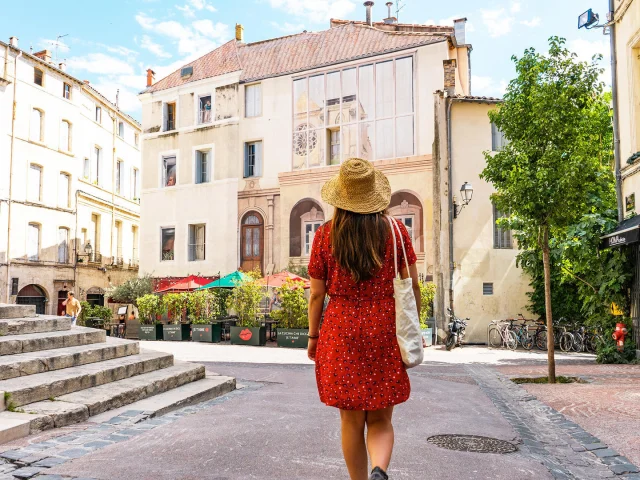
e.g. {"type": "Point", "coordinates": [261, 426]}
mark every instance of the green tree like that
{"type": "Point", "coordinates": [149, 307]}
{"type": "Point", "coordinates": [175, 304]}
{"type": "Point", "coordinates": [131, 290]}
{"type": "Point", "coordinates": [245, 300]}
{"type": "Point", "coordinates": [202, 306]}
{"type": "Point", "coordinates": [294, 307]}
{"type": "Point", "coordinates": [551, 167]}
{"type": "Point", "coordinates": [427, 292]}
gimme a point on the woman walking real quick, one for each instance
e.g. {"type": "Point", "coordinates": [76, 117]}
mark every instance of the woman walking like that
{"type": "Point", "coordinates": [359, 367]}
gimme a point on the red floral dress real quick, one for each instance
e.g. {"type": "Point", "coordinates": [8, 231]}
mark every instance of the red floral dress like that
{"type": "Point", "coordinates": [358, 361]}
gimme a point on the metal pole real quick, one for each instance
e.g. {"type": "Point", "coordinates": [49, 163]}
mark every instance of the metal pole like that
{"type": "Point", "coordinates": [614, 100]}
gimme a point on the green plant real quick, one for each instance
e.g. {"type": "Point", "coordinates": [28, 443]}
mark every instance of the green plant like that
{"type": "Point", "coordinates": [427, 293]}
{"type": "Point", "coordinates": [150, 306]}
{"type": "Point", "coordinates": [555, 163]}
{"type": "Point", "coordinates": [202, 306]}
{"type": "Point", "coordinates": [245, 300]}
{"type": "Point", "coordinates": [300, 270]}
{"type": "Point", "coordinates": [131, 290]}
{"type": "Point", "coordinates": [608, 353]}
{"type": "Point", "coordinates": [175, 305]}
{"type": "Point", "coordinates": [221, 295]}
{"type": "Point", "coordinates": [94, 311]}
{"type": "Point", "coordinates": [294, 307]}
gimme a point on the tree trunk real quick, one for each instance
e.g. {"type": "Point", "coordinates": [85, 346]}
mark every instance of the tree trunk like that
{"type": "Point", "coordinates": [546, 260]}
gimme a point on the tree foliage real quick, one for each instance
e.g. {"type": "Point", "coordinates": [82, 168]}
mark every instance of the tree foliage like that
{"type": "Point", "coordinates": [131, 290]}
{"type": "Point", "coordinates": [294, 307]}
{"type": "Point", "coordinates": [175, 305]}
{"type": "Point", "coordinates": [202, 306]}
{"type": "Point", "coordinates": [427, 293]}
{"type": "Point", "coordinates": [150, 306]}
{"type": "Point", "coordinates": [245, 300]}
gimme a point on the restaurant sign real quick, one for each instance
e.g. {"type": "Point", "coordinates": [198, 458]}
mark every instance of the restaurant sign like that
{"type": "Point", "coordinates": [622, 238]}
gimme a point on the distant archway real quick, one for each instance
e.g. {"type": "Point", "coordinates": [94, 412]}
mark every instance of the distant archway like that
{"type": "Point", "coordinates": [407, 207]}
{"type": "Point", "coordinates": [33, 295]}
{"type": "Point", "coordinates": [305, 219]}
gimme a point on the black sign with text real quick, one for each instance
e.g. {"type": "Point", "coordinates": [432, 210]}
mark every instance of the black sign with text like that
{"type": "Point", "coordinates": [623, 238]}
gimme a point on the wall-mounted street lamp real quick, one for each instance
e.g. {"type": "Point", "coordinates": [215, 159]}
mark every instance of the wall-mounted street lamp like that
{"type": "Point", "coordinates": [466, 194]}
{"type": "Point", "coordinates": [88, 249]}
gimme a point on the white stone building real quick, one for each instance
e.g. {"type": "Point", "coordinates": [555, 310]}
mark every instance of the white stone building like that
{"type": "Point", "coordinates": [69, 185]}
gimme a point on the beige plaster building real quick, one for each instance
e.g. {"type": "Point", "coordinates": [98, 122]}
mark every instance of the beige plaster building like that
{"type": "Point", "coordinates": [69, 185]}
{"type": "Point", "coordinates": [238, 144]}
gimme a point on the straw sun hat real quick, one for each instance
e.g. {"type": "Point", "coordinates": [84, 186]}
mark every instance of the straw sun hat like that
{"type": "Point", "coordinates": [359, 188]}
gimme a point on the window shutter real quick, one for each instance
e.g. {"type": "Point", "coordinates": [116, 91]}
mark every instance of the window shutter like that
{"type": "Point", "coordinates": [248, 101]}
{"type": "Point", "coordinates": [257, 100]}
{"type": "Point", "coordinates": [34, 183]}
{"type": "Point", "coordinates": [62, 245]}
{"type": "Point", "coordinates": [35, 125]}
{"type": "Point", "coordinates": [258, 167]}
{"type": "Point", "coordinates": [247, 147]}
{"type": "Point", "coordinates": [32, 242]}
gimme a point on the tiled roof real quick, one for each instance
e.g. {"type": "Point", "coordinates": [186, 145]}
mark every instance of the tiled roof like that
{"type": "Point", "coordinates": [297, 53]}
{"type": "Point", "coordinates": [472, 98]}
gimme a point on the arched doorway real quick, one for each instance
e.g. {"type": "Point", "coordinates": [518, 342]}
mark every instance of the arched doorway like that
{"type": "Point", "coordinates": [251, 241]}
{"type": "Point", "coordinates": [95, 296]}
{"type": "Point", "coordinates": [407, 208]}
{"type": "Point", "coordinates": [305, 219]}
{"type": "Point", "coordinates": [33, 295]}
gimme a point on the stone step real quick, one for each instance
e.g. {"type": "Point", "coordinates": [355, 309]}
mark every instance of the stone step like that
{"type": "Point", "coordinates": [39, 324]}
{"type": "Point", "coordinates": [79, 406]}
{"type": "Point", "coordinates": [12, 366]}
{"type": "Point", "coordinates": [42, 386]}
{"type": "Point", "coordinates": [34, 342]}
{"type": "Point", "coordinates": [10, 310]}
{"type": "Point", "coordinates": [15, 425]}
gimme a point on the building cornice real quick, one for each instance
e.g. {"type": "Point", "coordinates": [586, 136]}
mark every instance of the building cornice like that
{"type": "Point", "coordinates": [258, 192]}
{"type": "Point", "coordinates": [395, 166]}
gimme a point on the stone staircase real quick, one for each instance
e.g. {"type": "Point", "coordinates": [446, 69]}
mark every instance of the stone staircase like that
{"type": "Point", "coordinates": [53, 374]}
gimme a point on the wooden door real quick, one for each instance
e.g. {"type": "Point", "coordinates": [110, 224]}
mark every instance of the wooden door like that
{"type": "Point", "coordinates": [251, 242]}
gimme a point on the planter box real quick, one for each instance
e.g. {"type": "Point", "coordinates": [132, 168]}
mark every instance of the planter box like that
{"type": "Point", "coordinates": [293, 337]}
{"type": "Point", "coordinates": [132, 329]}
{"type": "Point", "coordinates": [150, 332]}
{"type": "Point", "coordinates": [248, 336]}
{"type": "Point", "coordinates": [427, 334]}
{"type": "Point", "coordinates": [206, 333]}
{"type": "Point", "coordinates": [176, 333]}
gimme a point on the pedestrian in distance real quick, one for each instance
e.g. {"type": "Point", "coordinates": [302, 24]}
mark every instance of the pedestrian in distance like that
{"type": "Point", "coordinates": [73, 307]}
{"type": "Point", "coordinates": [359, 365]}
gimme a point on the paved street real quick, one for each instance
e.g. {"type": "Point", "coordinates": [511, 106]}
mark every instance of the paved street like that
{"type": "Point", "coordinates": [275, 428]}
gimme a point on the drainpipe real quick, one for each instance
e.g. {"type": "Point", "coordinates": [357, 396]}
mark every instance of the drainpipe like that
{"type": "Point", "coordinates": [614, 100]}
{"type": "Point", "coordinates": [6, 61]}
{"type": "Point", "coordinates": [13, 141]}
{"type": "Point", "coordinates": [113, 187]}
{"type": "Point", "coordinates": [450, 199]}
{"type": "Point", "coordinates": [75, 247]}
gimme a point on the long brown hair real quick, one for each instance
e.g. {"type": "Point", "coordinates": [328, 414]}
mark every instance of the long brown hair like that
{"type": "Point", "coordinates": [358, 242]}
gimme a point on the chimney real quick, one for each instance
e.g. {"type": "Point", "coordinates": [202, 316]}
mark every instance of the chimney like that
{"type": "Point", "coordinates": [86, 82]}
{"type": "Point", "coordinates": [368, 5]}
{"type": "Point", "coordinates": [13, 41]}
{"type": "Point", "coordinates": [459, 31]}
{"type": "Point", "coordinates": [449, 77]}
{"type": "Point", "coordinates": [151, 77]}
{"type": "Point", "coordinates": [390, 20]}
{"type": "Point", "coordinates": [44, 55]}
{"type": "Point", "coordinates": [239, 32]}
{"type": "Point", "coordinates": [63, 66]}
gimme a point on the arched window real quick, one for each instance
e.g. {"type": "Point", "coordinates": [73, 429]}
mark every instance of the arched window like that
{"type": "Point", "coordinates": [36, 133]}
{"type": "Point", "coordinates": [305, 220]}
{"type": "Point", "coordinates": [34, 189]}
{"type": "Point", "coordinates": [33, 242]}
{"type": "Point", "coordinates": [63, 245]}
{"type": "Point", "coordinates": [65, 136]}
{"type": "Point", "coordinates": [64, 190]}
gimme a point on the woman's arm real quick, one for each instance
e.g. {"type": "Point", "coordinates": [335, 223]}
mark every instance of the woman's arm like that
{"type": "Point", "coordinates": [316, 302]}
{"type": "Point", "coordinates": [413, 273]}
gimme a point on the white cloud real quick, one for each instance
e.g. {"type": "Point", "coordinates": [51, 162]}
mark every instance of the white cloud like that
{"type": "Point", "coordinates": [586, 49]}
{"type": "Point", "coordinates": [534, 22]}
{"type": "Point", "coordinates": [101, 64]}
{"type": "Point", "coordinates": [51, 45]}
{"type": "Point", "coordinates": [287, 27]}
{"type": "Point", "coordinates": [202, 5]}
{"type": "Point", "coordinates": [153, 47]}
{"type": "Point", "coordinates": [209, 29]}
{"type": "Point", "coordinates": [145, 21]}
{"type": "Point", "coordinates": [316, 11]}
{"type": "Point", "coordinates": [516, 7]}
{"type": "Point", "coordinates": [487, 86]}
{"type": "Point", "coordinates": [127, 98]}
{"type": "Point", "coordinates": [498, 22]}
{"type": "Point", "coordinates": [187, 10]}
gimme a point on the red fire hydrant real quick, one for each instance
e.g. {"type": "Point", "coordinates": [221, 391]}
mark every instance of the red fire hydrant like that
{"type": "Point", "coordinates": [619, 334]}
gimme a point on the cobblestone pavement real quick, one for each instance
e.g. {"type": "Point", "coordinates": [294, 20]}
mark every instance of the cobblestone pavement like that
{"type": "Point", "coordinates": [608, 406]}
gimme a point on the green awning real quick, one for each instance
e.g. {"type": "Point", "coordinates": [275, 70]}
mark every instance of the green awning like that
{"type": "Point", "coordinates": [228, 281]}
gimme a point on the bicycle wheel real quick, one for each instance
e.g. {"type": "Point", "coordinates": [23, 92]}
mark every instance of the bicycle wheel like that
{"type": "Point", "coordinates": [512, 340]}
{"type": "Point", "coordinates": [495, 337]}
{"type": "Point", "coordinates": [541, 340]}
{"type": "Point", "coordinates": [566, 342]}
{"type": "Point", "coordinates": [578, 342]}
{"type": "Point", "coordinates": [527, 341]}
{"type": "Point", "coordinates": [594, 342]}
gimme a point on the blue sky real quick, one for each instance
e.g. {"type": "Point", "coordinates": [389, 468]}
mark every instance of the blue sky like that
{"type": "Point", "coordinates": [112, 43]}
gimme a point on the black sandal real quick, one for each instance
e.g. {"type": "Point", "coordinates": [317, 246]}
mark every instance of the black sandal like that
{"type": "Point", "coordinates": [378, 474]}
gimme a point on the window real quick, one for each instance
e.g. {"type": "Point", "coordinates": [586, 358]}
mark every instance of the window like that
{"type": "Point", "coordinates": [134, 251]}
{"type": "Point", "coordinates": [119, 174]}
{"type": "Point", "coordinates": [64, 184]}
{"type": "Point", "coordinates": [38, 76]}
{"type": "Point", "coordinates": [204, 109]}
{"type": "Point", "coordinates": [252, 159]}
{"type": "Point", "coordinates": [168, 240]}
{"type": "Point", "coordinates": [94, 238]}
{"type": "Point", "coordinates": [121, 129]}
{"type": "Point", "coordinates": [118, 227]}
{"type": "Point", "coordinates": [366, 111]}
{"type": "Point", "coordinates": [97, 159]}
{"type": "Point", "coordinates": [37, 125]}
{"type": "Point", "coordinates": [497, 139]}
{"type": "Point", "coordinates": [33, 241]}
{"type": "Point", "coordinates": [501, 237]}
{"type": "Point", "coordinates": [134, 184]}
{"type": "Point", "coordinates": [487, 289]}
{"type": "Point", "coordinates": [136, 139]}
{"type": "Point", "coordinates": [409, 222]}
{"type": "Point", "coordinates": [169, 171]}
{"type": "Point", "coordinates": [196, 242]}
{"type": "Point", "coordinates": [98, 117]}
{"type": "Point", "coordinates": [35, 183]}
{"type": "Point", "coordinates": [253, 100]}
{"type": "Point", "coordinates": [310, 229]}
{"type": "Point", "coordinates": [63, 245]}
{"type": "Point", "coordinates": [203, 166]}
{"type": "Point", "coordinates": [169, 116]}
{"type": "Point", "coordinates": [86, 169]}
{"type": "Point", "coordinates": [66, 91]}
{"type": "Point", "coordinates": [65, 136]}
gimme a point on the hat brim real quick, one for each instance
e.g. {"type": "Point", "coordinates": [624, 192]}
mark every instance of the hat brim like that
{"type": "Point", "coordinates": [374, 201]}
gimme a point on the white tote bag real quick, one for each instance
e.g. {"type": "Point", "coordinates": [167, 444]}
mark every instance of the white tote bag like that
{"type": "Point", "coordinates": [407, 319]}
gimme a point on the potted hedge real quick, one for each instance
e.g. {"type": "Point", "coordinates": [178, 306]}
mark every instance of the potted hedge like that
{"type": "Point", "coordinates": [150, 307]}
{"type": "Point", "coordinates": [129, 292]}
{"type": "Point", "coordinates": [176, 305]}
{"type": "Point", "coordinates": [245, 300]}
{"type": "Point", "coordinates": [292, 317]}
{"type": "Point", "coordinates": [203, 307]}
{"type": "Point", "coordinates": [427, 293]}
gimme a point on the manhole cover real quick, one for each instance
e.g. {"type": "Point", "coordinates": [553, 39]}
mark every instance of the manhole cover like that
{"type": "Point", "coordinates": [472, 443]}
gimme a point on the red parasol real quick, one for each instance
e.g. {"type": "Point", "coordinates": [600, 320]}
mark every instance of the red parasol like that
{"type": "Point", "coordinates": [279, 279]}
{"type": "Point", "coordinates": [187, 284]}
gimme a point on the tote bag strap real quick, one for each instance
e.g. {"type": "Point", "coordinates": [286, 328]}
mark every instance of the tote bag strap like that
{"type": "Point", "coordinates": [394, 225]}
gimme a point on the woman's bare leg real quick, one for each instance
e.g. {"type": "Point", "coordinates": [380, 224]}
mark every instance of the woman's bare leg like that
{"type": "Point", "coordinates": [380, 437]}
{"type": "Point", "coordinates": [353, 445]}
